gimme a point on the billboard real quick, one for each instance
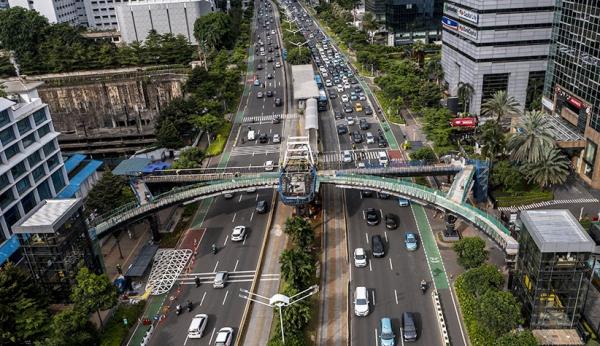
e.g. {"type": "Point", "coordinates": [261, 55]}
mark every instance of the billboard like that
{"type": "Point", "coordinates": [449, 23]}
{"type": "Point", "coordinates": [463, 122]}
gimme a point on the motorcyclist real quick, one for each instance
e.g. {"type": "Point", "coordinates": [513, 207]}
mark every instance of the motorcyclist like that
{"type": "Point", "coordinates": [423, 285]}
{"type": "Point", "coordinates": [189, 305]}
{"type": "Point", "coordinates": [214, 248]}
{"type": "Point", "coordinates": [197, 281]}
{"type": "Point", "coordinates": [178, 309]}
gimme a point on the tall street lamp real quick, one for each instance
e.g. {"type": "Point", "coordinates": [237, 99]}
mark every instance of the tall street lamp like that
{"type": "Point", "coordinates": [279, 301]}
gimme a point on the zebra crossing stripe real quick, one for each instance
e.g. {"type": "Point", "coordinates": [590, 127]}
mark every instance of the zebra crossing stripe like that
{"type": "Point", "coordinates": [549, 203]}
{"type": "Point", "coordinates": [268, 117]}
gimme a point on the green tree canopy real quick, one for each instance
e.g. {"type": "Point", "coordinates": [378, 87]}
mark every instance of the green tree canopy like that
{"type": "Point", "coordinates": [110, 192]}
{"type": "Point", "coordinates": [492, 139]}
{"type": "Point", "coordinates": [477, 281]}
{"type": "Point", "coordinates": [508, 175]}
{"type": "Point", "coordinates": [215, 29]}
{"type": "Point", "coordinates": [552, 169]}
{"type": "Point", "coordinates": [437, 126]}
{"type": "Point", "coordinates": [498, 312]}
{"type": "Point", "coordinates": [423, 153]}
{"type": "Point", "coordinates": [168, 136]}
{"type": "Point", "coordinates": [501, 105]}
{"type": "Point", "coordinates": [208, 123]}
{"type": "Point", "coordinates": [522, 338]}
{"type": "Point", "coordinates": [93, 292]}
{"type": "Point", "coordinates": [471, 252]}
{"type": "Point", "coordinates": [296, 316]}
{"type": "Point", "coordinates": [71, 327]}
{"type": "Point", "coordinates": [189, 158]}
{"type": "Point", "coordinates": [300, 231]}
{"type": "Point", "coordinates": [532, 142]}
{"type": "Point", "coordinates": [297, 267]}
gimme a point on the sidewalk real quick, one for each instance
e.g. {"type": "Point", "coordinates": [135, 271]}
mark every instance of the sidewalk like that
{"type": "Point", "coordinates": [261, 317]}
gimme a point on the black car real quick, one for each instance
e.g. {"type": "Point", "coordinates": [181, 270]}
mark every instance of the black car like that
{"type": "Point", "coordinates": [372, 216]}
{"type": "Point", "coordinates": [368, 110]}
{"type": "Point", "coordinates": [377, 246]}
{"type": "Point", "coordinates": [356, 137]}
{"type": "Point", "coordinates": [382, 142]}
{"type": "Point", "coordinates": [270, 58]}
{"type": "Point", "coordinates": [339, 115]}
{"type": "Point", "coordinates": [342, 129]}
{"type": "Point", "coordinates": [390, 221]}
{"type": "Point", "coordinates": [270, 48]}
{"type": "Point", "coordinates": [363, 124]}
{"type": "Point", "coordinates": [278, 102]}
{"type": "Point", "coordinates": [332, 95]}
{"type": "Point", "coordinates": [259, 67]}
{"type": "Point", "coordinates": [357, 89]}
{"type": "Point", "coordinates": [382, 195]}
{"type": "Point", "coordinates": [262, 206]}
{"type": "Point", "coordinates": [262, 138]}
{"type": "Point", "coordinates": [348, 108]}
{"type": "Point", "coordinates": [276, 119]}
{"type": "Point", "coordinates": [366, 193]}
{"type": "Point", "coordinates": [269, 93]}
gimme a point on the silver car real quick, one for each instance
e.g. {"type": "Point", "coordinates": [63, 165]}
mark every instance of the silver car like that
{"type": "Point", "coordinates": [220, 279]}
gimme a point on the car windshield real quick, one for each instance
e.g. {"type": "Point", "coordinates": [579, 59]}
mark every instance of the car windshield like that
{"type": "Point", "coordinates": [410, 238]}
{"type": "Point", "coordinates": [359, 257]}
{"type": "Point", "coordinates": [387, 336]}
{"type": "Point", "coordinates": [361, 302]}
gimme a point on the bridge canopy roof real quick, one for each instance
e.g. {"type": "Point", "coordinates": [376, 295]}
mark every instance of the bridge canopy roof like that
{"type": "Point", "coordinates": [556, 230]}
{"type": "Point", "coordinates": [142, 261]}
{"type": "Point", "coordinates": [305, 86]}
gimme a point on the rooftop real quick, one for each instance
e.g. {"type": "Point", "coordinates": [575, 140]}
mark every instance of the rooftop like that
{"type": "Point", "coordinates": [562, 130]}
{"type": "Point", "coordinates": [17, 86]}
{"type": "Point", "coordinates": [556, 230]}
{"type": "Point", "coordinates": [47, 216]}
{"type": "Point", "coordinates": [305, 86]}
{"type": "Point", "coordinates": [562, 337]}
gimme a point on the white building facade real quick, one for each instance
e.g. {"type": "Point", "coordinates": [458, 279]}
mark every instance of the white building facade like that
{"type": "Point", "coordinates": [32, 167]}
{"type": "Point", "coordinates": [177, 17]}
{"type": "Point", "coordinates": [496, 45]}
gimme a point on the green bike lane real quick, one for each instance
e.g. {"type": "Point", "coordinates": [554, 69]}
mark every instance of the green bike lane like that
{"type": "Point", "coordinates": [432, 253]}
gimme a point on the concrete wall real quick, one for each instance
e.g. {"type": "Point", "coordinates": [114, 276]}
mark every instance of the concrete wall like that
{"type": "Point", "coordinates": [105, 104]}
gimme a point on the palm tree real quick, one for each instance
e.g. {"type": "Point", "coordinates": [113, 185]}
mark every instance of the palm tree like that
{"type": "Point", "coordinates": [552, 169]}
{"type": "Point", "coordinates": [465, 92]}
{"type": "Point", "coordinates": [491, 137]}
{"type": "Point", "coordinates": [297, 267]}
{"type": "Point", "coordinates": [533, 140]}
{"type": "Point", "coordinates": [501, 105]}
{"type": "Point", "coordinates": [370, 25]}
{"type": "Point", "coordinates": [300, 231]}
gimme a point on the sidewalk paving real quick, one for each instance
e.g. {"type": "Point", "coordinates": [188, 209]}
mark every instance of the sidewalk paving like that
{"type": "Point", "coordinates": [259, 323]}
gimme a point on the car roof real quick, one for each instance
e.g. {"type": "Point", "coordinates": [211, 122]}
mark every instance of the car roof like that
{"type": "Point", "coordinates": [196, 321]}
{"type": "Point", "coordinates": [359, 250]}
{"type": "Point", "coordinates": [222, 336]}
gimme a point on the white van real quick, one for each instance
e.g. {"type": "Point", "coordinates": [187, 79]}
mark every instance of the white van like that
{"type": "Point", "coordinates": [251, 135]}
{"type": "Point", "coordinates": [361, 301]}
{"type": "Point", "coordinates": [383, 158]}
{"type": "Point", "coordinates": [197, 326]}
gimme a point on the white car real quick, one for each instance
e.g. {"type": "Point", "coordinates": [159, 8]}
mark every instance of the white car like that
{"type": "Point", "coordinates": [197, 326]}
{"type": "Point", "coordinates": [360, 257]}
{"type": "Point", "coordinates": [328, 83]}
{"type": "Point", "coordinates": [347, 156]}
{"type": "Point", "coordinates": [224, 337]}
{"type": "Point", "coordinates": [346, 85]}
{"type": "Point", "coordinates": [361, 301]}
{"type": "Point", "coordinates": [269, 166]}
{"type": "Point", "coordinates": [239, 233]}
{"type": "Point", "coordinates": [276, 138]}
{"type": "Point", "coordinates": [325, 74]}
{"type": "Point", "coordinates": [370, 138]}
{"type": "Point", "coordinates": [345, 98]}
{"type": "Point", "coordinates": [278, 64]}
{"type": "Point", "coordinates": [340, 88]}
{"type": "Point", "coordinates": [350, 120]}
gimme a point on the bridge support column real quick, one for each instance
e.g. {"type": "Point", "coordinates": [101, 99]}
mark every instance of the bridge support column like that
{"type": "Point", "coordinates": [450, 232]}
{"type": "Point", "coordinates": [154, 225]}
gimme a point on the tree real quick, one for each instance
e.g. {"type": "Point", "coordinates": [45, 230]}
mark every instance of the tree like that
{"type": "Point", "coordinates": [215, 29]}
{"type": "Point", "coordinates": [552, 169]}
{"type": "Point", "coordinates": [189, 158]}
{"type": "Point", "coordinates": [498, 312]}
{"type": "Point", "coordinates": [291, 339]}
{"type": "Point", "coordinates": [297, 267]}
{"type": "Point", "coordinates": [517, 338]}
{"type": "Point", "coordinates": [110, 192]}
{"type": "Point", "coordinates": [23, 307]}
{"type": "Point", "coordinates": [423, 153]}
{"type": "Point", "coordinates": [479, 280]}
{"type": "Point", "coordinates": [168, 136]}
{"type": "Point", "coordinates": [93, 292]}
{"type": "Point", "coordinates": [471, 252]}
{"type": "Point", "coordinates": [508, 175]}
{"type": "Point", "coordinates": [370, 25]}
{"type": "Point", "coordinates": [297, 315]}
{"type": "Point", "coordinates": [492, 140]}
{"type": "Point", "coordinates": [71, 327]}
{"type": "Point", "coordinates": [208, 123]}
{"type": "Point", "coordinates": [465, 93]}
{"type": "Point", "coordinates": [437, 126]}
{"type": "Point", "coordinates": [533, 140]}
{"type": "Point", "coordinates": [300, 231]}
{"type": "Point", "coordinates": [501, 105]}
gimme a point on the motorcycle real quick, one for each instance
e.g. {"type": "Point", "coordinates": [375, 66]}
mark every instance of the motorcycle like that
{"type": "Point", "coordinates": [197, 281]}
{"type": "Point", "coordinates": [423, 287]}
{"type": "Point", "coordinates": [189, 306]}
{"type": "Point", "coordinates": [178, 310]}
{"type": "Point", "coordinates": [214, 249]}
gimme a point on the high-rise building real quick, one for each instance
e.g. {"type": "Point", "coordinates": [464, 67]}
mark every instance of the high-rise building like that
{"type": "Point", "coordinates": [496, 45]}
{"type": "Point", "coordinates": [552, 273]}
{"type": "Point", "coordinates": [31, 168]}
{"type": "Point", "coordinates": [572, 87]}
{"type": "Point", "coordinates": [57, 11]}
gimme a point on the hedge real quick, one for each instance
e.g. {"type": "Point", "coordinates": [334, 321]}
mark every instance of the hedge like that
{"type": "Point", "coordinates": [115, 331]}
{"type": "Point", "coordinates": [467, 304]}
{"type": "Point", "coordinates": [218, 144]}
{"type": "Point", "coordinates": [522, 198]}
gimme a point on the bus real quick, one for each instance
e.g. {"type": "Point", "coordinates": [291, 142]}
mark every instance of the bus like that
{"type": "Point", "coordinates": [322, 101]}
{"type": "Point", "coordinates": [319, 81]}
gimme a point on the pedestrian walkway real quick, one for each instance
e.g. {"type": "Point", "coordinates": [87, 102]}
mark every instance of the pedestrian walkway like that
{"type": "Point", "coordinates": [256, 150]}
{"type": "Point", "coordinates": [550, 203]}
{"type": "Point", "coordinates": [259, 323]}
{"type": "Point", "coordinates": [268, 118]}
{"type": "Point", "coordinates": [333, 318]}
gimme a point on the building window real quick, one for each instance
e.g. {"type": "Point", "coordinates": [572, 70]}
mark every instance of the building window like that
{"type": "Point", "coordinates": [58, 180]}
{"type": "Point", "coordinates": [4, 181]}
{"type": "Point", "coordinates": [34, 159]}
{"type": "Point", "coordinates": [492, 83]}
{"type": "Point", "coordinates": [11, 151]}
{"type": "Point", "coordinates": [28, 202]}
{"type": "Point", "coordinates": [53, 162]}
{"type": "Point", "coordinates": [7, 136]}
{"type": "Point", "coordinates": [44, 130]}
{"type": "Point", "coordinates": [4, 118]}
{"type": "Point", "coordinates": [24, 125]}
{"type": "Point", "coordinates": [44, 191]}
{"type": "Point", "coordinates": [38, 173]}
{"type": "Point", "coordinates": [39, 116]}
{"type": "Point", "coordinates": [6, 198]}
{"type": "Point", "coordinates": [49, 148]}
{"type": "Point", "coordinates": [589, 158]}
{"type": "Point", "coordinates": [18, 170]}
{"type": "Point", "coordinates": [12, 216]}
{"type": "Point", "coordinates": [22, 185]}
{"type": "Point", "coordinates": [29, 140]}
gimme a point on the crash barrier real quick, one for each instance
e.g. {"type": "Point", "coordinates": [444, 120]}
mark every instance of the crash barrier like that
{"type": "Point", "coordinates": [439, 313]}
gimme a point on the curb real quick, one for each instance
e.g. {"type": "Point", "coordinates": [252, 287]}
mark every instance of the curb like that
{"type": "Point", "coordinates": [247, 309]}
{"type": "Point", "coordinates": [437, 305]}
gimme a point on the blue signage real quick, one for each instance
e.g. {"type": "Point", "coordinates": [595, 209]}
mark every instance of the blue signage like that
{"type": "Point", "coordinates": [449, 23]}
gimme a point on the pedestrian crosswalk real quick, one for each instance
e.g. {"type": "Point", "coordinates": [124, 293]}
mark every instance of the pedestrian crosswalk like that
{"type": "Point", "coordinates": [550, 203]}
{"type": "Point", "coordinates": [256, 150]}
{"type": "Point", "coordinates": [268, 117]}
{"type": "Point", "coordinates": [357, 155]}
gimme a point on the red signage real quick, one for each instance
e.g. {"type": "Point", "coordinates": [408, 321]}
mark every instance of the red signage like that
{"type": "Point", "coordinates": [463, 122]}
{"type": "Point", "coordinates": [575, 102]}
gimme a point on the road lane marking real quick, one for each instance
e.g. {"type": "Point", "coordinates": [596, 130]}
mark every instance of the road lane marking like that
{"type": "Point", "coordinates": [226, 238]}
{"type": "Point", "coordinates": [256, 199]}
{"type": "Point", "coordinates": [370, 267]}
{"type": "Point", "coordinates": [239, 200]}
{"type": "Point", "coordinates": [376, 338]}
{"type": "Point", "coordinates": [185, 342]}
{"type": "Point", "coordinates": [386, 238]}
{"type": "Point", "coordinates": [373, 296]}
{"type": "Point", "coordinates": [211, 336]}
{"type": "Point", "coordinates": [396, 295]}
{"type": "Point", "coordinates": [235, 214]}
{"type": "Point", "coordinates": [202, 300]}
{"type": "Point", "coordinates": [367, 236]}
{"type": "Point", "coordinates": [401, 336]}
{"type": "Point", "coordinates": [251, 216]}
{"type": "Point", "coordinates": [391, 266]}
{"type": "Point", "coordinates": [216, 264]}
{"type": "Point", "coordinates": [364, 215]}
{"type": "Point", "coordinates": [236, 264]}
{"type": "Point", "coordinates": [224, 299]}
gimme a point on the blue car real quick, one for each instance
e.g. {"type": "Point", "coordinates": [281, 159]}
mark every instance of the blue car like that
{"type": "Point", "coordinates": [410, 241]}
{"type": "Point", "coordinates": [403, 202]}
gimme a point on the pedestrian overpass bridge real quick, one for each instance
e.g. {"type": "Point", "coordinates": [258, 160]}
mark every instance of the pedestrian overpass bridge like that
{"type": "Point", "coordinates": [216, 185]}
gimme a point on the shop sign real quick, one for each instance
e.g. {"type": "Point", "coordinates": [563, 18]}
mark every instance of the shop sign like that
{"type": "Point", "coordinates": [467, 31]}
{"type": "Point", "coordinates": [468, 15]}
{"type": "Point", "coordinates": [449, 23]}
